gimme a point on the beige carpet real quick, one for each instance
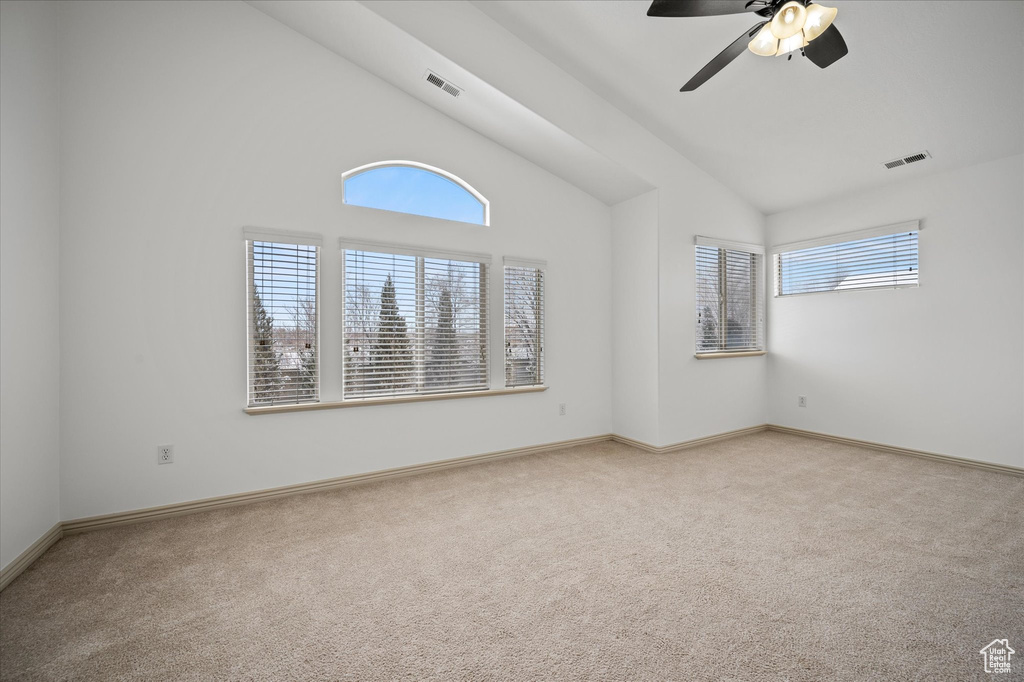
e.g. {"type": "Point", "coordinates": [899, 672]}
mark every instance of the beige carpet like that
{"type": "Point", "coordinates": [764, 557]}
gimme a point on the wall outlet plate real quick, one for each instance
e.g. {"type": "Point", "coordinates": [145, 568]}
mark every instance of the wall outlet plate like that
{"type": "Point", "coordinates": [561, 409]}
{"type": "Point", "coordinates": [801, 401]}
{"type": "Point", "coordinates": [165, 454]}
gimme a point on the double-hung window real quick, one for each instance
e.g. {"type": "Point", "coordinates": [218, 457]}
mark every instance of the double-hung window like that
{"type": "Point", "coordinates": [730, 298]}
{"type": "Point", "coordinates": [415, 321]}
{"type": "Point", "coordinates": [881, 258]}
{"type": "Point", "coordinates": [524, 322]}
{"type": "Point", "coordinates": [283, 361]}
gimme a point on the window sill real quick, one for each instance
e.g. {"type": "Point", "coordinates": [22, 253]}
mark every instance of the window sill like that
{"type": "Point", "coordinates": [727, 354]}
{"type": "Point", "coordinates": [361, 402]}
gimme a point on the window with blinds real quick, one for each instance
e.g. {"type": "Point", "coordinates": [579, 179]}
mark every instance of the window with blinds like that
{"type": "Point", "coordinates": [885, 258]}
{"type": "Point", "coordinates": [524, 323]}
{"type": "Point", "coordinates": [282, 320]}
{"type": "Point", "coordinates": [414, 322]}
{"type": "Point", "coordinates": [730, 308]}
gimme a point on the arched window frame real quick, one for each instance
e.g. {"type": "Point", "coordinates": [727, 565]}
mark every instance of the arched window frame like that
{"type": "Point", "coordinates": [422, 166]}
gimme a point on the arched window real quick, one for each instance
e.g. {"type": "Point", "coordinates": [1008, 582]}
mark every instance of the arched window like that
{"type": "Point", "coordinates": [416, 188]}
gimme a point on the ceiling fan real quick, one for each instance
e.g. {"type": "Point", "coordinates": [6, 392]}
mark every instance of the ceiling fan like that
{"type": "Point", "coordinates": [788, 25]}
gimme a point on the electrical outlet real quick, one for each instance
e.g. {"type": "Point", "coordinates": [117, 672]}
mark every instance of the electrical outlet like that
{"type": "Point", "coordinates": [165, 454]}
{"type": "Point", "coordinates": [561, 409]}
{"type": "Point", "coordinates": [801, 401]}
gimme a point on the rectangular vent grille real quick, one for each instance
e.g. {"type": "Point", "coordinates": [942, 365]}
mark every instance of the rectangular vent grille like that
{"type": "Point", "coordinates": [904, 160]}
{"type": "Point", "coordinates": [445, 85]}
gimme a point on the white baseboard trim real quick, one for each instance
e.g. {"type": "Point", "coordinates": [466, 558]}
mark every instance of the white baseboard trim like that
{"type": "Point", "coordinates": [674, 447]}
{"type": "Point", "coordinates": [949, 459]}
{"type": "Point", "coordinates": [181, 508]}
{"type": "Point", "coordinates": [26, 558]}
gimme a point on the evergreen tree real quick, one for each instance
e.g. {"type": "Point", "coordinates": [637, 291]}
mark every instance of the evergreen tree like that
{"type": "Point", "coordinates": [443, 351]}
{"type": "Point", "coordinates": [709, 330]}
{"type": "Point", "coordinates": [391, 365]}
{"type": "Point", "coordinates": [266, 369]}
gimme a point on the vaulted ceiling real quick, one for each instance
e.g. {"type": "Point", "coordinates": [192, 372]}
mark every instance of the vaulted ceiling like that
{"type": "Point", "coordinates": [947, 77]}
{"type": "Point", "coordinates": [943, 76]}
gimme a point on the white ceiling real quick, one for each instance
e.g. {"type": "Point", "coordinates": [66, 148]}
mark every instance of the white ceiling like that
{"type": "Point", "coordinates": [943, 76]}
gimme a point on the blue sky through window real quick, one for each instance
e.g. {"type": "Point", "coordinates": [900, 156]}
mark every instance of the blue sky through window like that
{"type": "Point", "coordinates": [407, 189]}
{"type": "Point", "coordinates": [885, 261]}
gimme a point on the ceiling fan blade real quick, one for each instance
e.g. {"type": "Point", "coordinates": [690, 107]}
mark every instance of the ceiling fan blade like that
{"type": "Point", "coordinates": [827, 48]}
{"type": "Point", "coordinates": [701, 8]}
{"type": "Point", "coordinates": [724, 57]}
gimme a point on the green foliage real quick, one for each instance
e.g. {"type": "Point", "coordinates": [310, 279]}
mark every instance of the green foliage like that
{"type": "Point", "coordinates": [391, 364]}
{"type": "Point", "coordinates": [708, 329]}
{"type": "Point", "coordinates": [266, 365]}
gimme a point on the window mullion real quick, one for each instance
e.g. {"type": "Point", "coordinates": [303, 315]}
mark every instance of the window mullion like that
{"type": "Point", "coordinates": [538, 311]}
{"type": "Point", "coordinates": [723, 297]}
{"type": "Point", "coordinates": [483, 321]}
{"type": "Point", "coordinates": [420, 352]}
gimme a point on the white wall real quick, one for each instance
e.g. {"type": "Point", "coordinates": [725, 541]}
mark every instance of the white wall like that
{"type": "Point", "coordinates": [938, 368]}
{"type": "Point", "coordinates": [29, 310]}
{"type": "Point", "coordinates": [700, 398]}
{"type": "Point", "coordinates": [182, 123]}
{"type": "Point", "coordinates": [661, 393]}
{"type": "Point", "coordinates": [635, 318]}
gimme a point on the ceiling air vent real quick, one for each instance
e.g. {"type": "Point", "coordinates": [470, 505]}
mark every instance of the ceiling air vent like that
{"type": "Point", "coordinates": [445, 85]}
{"type": "Point", "coordinates": [904, 160]}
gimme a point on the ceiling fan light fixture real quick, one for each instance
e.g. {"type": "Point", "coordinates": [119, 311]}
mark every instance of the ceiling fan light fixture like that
{"type": "Point", "coordinates": [819, 18]}
{"type": "Point", "coordinates": [789, 20]}
{"type": "Point", "coordinates": [764, 43]}
{"type": "Point", "coordinates": [794, 42]}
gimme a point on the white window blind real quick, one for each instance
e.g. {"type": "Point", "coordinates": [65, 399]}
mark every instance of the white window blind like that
{"type": "Point", "coordinates": [282, 321]}
{"type": "Point", "coordinates": [730, 307]}
{"type": "Point", "coordinates": [413, 323]}
{"type": "Point", "coordinates": [854, 261]}
{"type": "Point", "coordinates": [524, 323]}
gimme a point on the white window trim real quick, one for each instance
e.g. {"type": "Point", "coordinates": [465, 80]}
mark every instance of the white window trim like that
{"type": "Point", "coordinates": [422, 166]}
{"type": "Point", "coordinates": [883, 231]}
{"type": "Point", "coordinates": [345, 244]}
{"type": "Point", "coordinates": [391, 400]}
{"type": "Point", "coordinates": [727, 244]}
{"type": "Point", "coordinates": [263, 234]}
{"type": "Point", "coordinates": [513, 262]}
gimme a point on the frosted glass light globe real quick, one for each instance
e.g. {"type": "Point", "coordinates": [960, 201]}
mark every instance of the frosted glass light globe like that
{"type": "Point", "coordinates": [764, 43]}
{"type": "Point", "coordinates": [819, 18]}
{"type": "Point", "coordinates": [789, 20]}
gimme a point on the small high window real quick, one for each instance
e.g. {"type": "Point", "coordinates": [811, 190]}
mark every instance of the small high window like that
{"type": "Point", "coordinates": [416, 188]}
{"type": "Point", "coordinates": [882, 258]}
